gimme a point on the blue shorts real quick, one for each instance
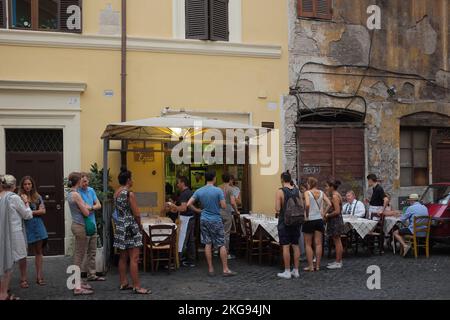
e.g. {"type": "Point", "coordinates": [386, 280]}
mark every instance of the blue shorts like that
{"type": "Point", "coordinates": [212, 232]}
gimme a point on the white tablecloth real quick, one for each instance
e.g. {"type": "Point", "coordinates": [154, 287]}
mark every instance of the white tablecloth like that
{"type": "Point", "coordinates": [269, 224]}
{"type": "Point", "coordinates": [362, 226]}
{"type": "Point", "coordinates": [147, 222]}
{"type": "Point", "coordinates": [389, 223]}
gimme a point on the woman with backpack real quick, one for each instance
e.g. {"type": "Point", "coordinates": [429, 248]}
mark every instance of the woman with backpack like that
{"type": "Point", "coordinates": [289, 208]}
{"type": "Point", "coordinates": [335, 222]}
{"type": "Point", "coordinates": [314, 227]}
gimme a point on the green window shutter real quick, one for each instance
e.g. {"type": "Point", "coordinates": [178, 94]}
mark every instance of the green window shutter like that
{"type": "Point", "coordinates": [67, 23]}
{"type": "Point", "coordinates": [197, 19]}
{"type": "Point", "coordinates": [2, 13]}
{"type": "Point", "coordinates": [219, 17]}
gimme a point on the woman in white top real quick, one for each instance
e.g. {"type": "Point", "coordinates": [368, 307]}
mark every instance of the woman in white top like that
{"type": "Point", "coordinates": [314, 227]}
{"type": "Point", "coordinates": [18, 209]}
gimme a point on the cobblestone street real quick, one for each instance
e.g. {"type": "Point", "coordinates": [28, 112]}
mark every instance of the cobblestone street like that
{"type": "Point", "coordinates": [400, 279]}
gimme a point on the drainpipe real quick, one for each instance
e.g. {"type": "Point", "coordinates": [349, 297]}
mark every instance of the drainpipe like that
{"type": "Point", "coordinates": [123, 79]}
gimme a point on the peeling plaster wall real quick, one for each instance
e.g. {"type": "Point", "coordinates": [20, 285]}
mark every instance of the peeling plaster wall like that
{"type": "Point", "coordinates": [414, 39]}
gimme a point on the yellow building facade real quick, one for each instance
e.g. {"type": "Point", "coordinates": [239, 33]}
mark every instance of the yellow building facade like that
{"type": "Point", "coordinates": [71, 83]}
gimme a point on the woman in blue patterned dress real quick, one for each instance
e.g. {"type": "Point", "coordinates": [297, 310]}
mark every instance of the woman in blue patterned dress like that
{"type": "Point", "coordinates": [35, 229]}
{"type": "Point", "coordinates": [128, 235]}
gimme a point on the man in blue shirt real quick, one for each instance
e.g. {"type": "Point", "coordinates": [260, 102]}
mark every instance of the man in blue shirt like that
{"type": "Point", "coordinates": [415, 209]}
{"type": "Point", "coordinates": [92, 203]}
{"type": "Point", "coordinates": [211, 226]}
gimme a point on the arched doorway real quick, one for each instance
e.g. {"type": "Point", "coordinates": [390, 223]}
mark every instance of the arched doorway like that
{"type": "Point", "coordinates": [330, 143]}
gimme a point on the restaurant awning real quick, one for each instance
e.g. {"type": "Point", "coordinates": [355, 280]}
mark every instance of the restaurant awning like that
{"type": "Point", "coordinates": [164, 128]}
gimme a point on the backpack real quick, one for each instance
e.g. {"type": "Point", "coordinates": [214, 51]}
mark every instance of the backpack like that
{"type": "Point", "coordinates": [294, 212]}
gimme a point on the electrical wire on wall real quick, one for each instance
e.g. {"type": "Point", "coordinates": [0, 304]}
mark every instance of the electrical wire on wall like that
{"type": "Point", "coordinates": [385, 74]}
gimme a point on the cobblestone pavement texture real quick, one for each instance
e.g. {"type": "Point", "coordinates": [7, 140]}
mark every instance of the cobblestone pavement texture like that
{"type": "Point", "coordinates": [401, 278]}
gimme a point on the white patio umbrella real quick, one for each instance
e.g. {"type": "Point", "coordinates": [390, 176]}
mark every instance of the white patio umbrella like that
{"type": "Point", "coordinates": [166, 127]}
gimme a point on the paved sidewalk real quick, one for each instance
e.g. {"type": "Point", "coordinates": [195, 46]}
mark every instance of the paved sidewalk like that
{"type": "Point", "coordinates": [400, 279]}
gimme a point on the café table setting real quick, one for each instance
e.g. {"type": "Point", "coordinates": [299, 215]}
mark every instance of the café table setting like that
{"type": "Point", "coordinates": [259, 220]}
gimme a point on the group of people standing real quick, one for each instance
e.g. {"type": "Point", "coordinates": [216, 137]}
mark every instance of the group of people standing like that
{"type": "Point", "coordinates": [21, 227]}
{"type": "Point", "coordinates": [321, 210]}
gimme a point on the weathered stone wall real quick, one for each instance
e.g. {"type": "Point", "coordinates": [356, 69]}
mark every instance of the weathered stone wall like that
{"type": "Point", "coordinates": [414, 39]}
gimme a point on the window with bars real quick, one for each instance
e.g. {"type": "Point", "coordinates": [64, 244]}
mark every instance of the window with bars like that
{"type": "Point", "coordinates": [34, 140]}
{"type": "Point", "coordinates": [414, 157]}
{"type": "Point", "coordinates": [316, 9]}
{"type": "Point", "coordinates": [43, 15]}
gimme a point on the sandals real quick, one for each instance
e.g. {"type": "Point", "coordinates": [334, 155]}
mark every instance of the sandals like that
{"type": "Point", "coordinates": [125, 287]}
{"type": "Point", "coordinates": [95, 278]}
{"type": "Point", "coordinates": [41, 282]}
{"type": "Point", "coordinates": [24, 284]}
{"type": "Point", "coordinates": [229, 274]}
{"type": "Point", "coordinates": [141, 291]}
{"type": "Point", "coordinates": [308, 269]}
{"type": "Point", "coordinates": [82, 292]}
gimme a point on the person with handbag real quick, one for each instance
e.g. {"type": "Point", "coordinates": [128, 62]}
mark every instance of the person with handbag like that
{"type": "Point", "coordinates": [90, 199]}
{"type": "Point", "coordinates": [80, 226]}
{"type": "Point", "coordinates": [335, 222]}
{"type": "Point", "coordinates": [128, 236]}
{"type": "Point", "coordinates": [316, 204]}
{"type": "Point", "coordinates": [35, 229]}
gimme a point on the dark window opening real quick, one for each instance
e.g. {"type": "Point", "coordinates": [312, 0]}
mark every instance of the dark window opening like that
{"type": "Point", "coordinates": [414, 167]}
{"type": "Point", "coordinates": [44, 15]}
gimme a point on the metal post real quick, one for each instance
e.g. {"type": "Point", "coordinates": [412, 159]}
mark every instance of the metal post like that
{"type": "Point", "coordinates": [105, 208]}
{"type": "Point", "coordinates": [123, 78]}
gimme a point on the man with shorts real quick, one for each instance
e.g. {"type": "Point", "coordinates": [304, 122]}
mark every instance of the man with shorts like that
{"type": "Point", "coordinates": [415, 209]}
{"type": "Point", "coordinates": [211, 226]}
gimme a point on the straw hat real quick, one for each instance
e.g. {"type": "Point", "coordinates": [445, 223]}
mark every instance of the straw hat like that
{"type": "Point", "coordinates": [413, 197]}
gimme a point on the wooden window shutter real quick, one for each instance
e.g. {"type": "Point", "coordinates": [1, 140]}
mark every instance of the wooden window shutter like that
{"type": "Point", "coordinates": [64, 16]}
{"type": "Point", "coordinates": [218, 16]}
{"type": "Point", "coordinates": [320, 9]}
{"type": "Point", "coordinates": [306, 8]}
{"type": "Point", "coordinates": [2, 13]}
{"type": "Point", "coordinates": [323, 9]}
{"type": "Point", "coordinates": [197, 19]}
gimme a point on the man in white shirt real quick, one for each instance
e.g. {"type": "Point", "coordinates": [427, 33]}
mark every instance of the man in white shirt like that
{"type": "Point", "coordinates": [353, 206]}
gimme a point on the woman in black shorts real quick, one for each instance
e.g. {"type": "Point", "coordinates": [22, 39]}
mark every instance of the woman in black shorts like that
{"type": "Point", "coordinates": [313, 228]}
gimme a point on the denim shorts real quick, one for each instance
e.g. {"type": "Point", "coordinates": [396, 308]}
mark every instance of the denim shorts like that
{"type": "Point", "coordinates": [212, 232]}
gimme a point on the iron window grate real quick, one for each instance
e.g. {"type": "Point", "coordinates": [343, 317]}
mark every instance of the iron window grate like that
{"type": "Point", "coordinates": [34, 140]}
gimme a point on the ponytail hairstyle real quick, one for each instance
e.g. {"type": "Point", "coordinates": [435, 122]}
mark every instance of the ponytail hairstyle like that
{"type": "Point", "coordinates": [286, 177]}
{"type": "Point", "coordinates": [74, 178]}
{"type": "Point", "coordinates": [312, 183]}
{"type": "Point", "coordinates": [124, 176]}
{"type": "Point", "coordinates": [334, 183]}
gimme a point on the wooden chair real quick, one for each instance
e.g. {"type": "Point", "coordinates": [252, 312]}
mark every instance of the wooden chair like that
{"type": "Point", "coordinates": [237, 238]}
{"type": "Point", "coordinates": [376, 238]}
{"type": "Point", "coordinates": [255, 246]}
{"type": "Point", "coordinates": [422, 228]}
{"type": "Point", "coordinates": [154, 246]}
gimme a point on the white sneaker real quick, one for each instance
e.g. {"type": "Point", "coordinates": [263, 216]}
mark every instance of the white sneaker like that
{"type": "Point", "coordinates": [285, 275]}
{"type": "Point", "coordinates": [295, 273]}
{"type": "Point", "coordinates": [314, 260]}
{"type": "Point", "coordinates": [335, 265]}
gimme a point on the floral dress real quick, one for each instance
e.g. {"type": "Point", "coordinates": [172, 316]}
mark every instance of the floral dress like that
{"type": "Point", "coordinates": [128, 234]}
{"type": "Point", "coordinates": [335, 225]}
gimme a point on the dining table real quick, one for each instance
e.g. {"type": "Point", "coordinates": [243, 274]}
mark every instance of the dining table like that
{"type": "Point", "coordinates": [265, 222]}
